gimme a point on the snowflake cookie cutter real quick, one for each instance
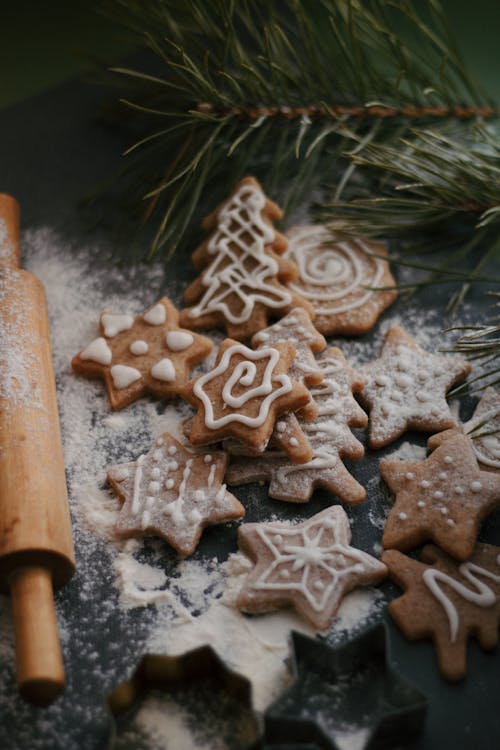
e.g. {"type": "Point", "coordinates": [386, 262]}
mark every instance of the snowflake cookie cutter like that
{"type": "Point", "coordinates": [157, 672]}
{"type": "Point", "coordinates": [342, 694]}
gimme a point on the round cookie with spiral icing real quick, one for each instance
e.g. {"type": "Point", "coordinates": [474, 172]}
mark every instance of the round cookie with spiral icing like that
{"type": "Point", "coordinates": [148, 354]}
{"type": "Point", "coordinates": [344, 279]}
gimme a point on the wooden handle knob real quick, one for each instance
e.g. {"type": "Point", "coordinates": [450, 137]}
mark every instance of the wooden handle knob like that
{"type": "Point", "coordinates": [40, 670]}
{"type": "Point", "coordinates": [10, 246]}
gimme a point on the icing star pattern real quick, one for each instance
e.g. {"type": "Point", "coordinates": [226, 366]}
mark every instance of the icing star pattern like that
{"type": "Point", "coordinates": [309, 566]}
{"type": "Point", "coordinates": [329, 436]}
{"type": "Point", "coordinates": [441, 499]}
{"type": "Point", "coordinates": [406, 389]}
{"type": "Point", "coordinates": [448, 602]}
{"type": "Point", "coordinates": [244, 394]}
{"type": "Point", "coordinates": [242, 273]}
{"type": "Point", "coordinates": [173, 493]}
{"type": "Point", "coordinates": [346, 689]}
{"type": "Point", "coordinates": [148, 354]}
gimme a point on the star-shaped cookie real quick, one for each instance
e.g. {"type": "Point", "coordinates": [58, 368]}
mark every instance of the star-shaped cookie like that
{"type": "Point", "coordinates": [329, 435]}
{"type": "Point", "coordinates": [148, 354]}
{"type": "Point", "coordinates": [244, 394]}
{"type": "Point", "coordinates": [448, 601]}
{"type": "Point", "coordinates": [443, 498]}
{"type": "Point", "coordinates": [406, 389]}
{"type": "Point", "coordinates": [309, 566]}
{"type": "Point", "coordinates": [484, 429]}
{"type": "Point", "coordinates": [348, 689]}
{"type": "Point", "coordinates": [173, 493]}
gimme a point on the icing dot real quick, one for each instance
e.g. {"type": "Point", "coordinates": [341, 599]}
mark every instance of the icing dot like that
{"type": "Point", "coordinates": [438, 495]}
{"type": "Point", "coordinates": [174, 465]}
{"type": "Point", "coordinates": [169, 484]}
{"type": "Point", "coordinates": [98, 351]}
{"type": "Point", "coordinates": [278, 539]}
{"type": "Point", "coordinates": [262, 336]}
{"type": "Point", "coordinates": [160, 441]}
{"type": "Point", "coordinates": [155, 473]}
{"type": "Point", "coordinates": [422, 396]}
{"type": "Point", "coordinates": [138, 347]}
{"type": "Point", "coordinates": [177, 341]}
{"type": "Point", "coordinates": [124, 376]}
{"type": "Point", "coordinates": [476, 486]}
{"type": "Point", "coordinates": [444, 511]}
{"type": "Point", "coordinates": [158, 455]}
{"type": "Point", "coordinates": [284, 573]}
{"type": "Point", "coordinates": [442, 475]}
{"type": "Point", "coordinates": [319, 585]}
{"type": "Point", "coordinates": [208, 458]}
{"type": "Point", "coordinates": [403, 381]}
{"type": "Point", "coordinates": [154, 487]}
{"type": "Point", "coordinates": [448, 459]}
{"type": "Point", "coordinates": [425, 484]}
{"type": "Point", "coordinates": [150, 501]}
{"type": "Point", "coordinates": [459, 490]}
{"type": "Point", "coordinates": [410, 475]}
{"type": "Point", "coordinates": [164, 370]}
{"type": "Point", "coordinates": [403, 516]}
{"type": "Point", "coordinates": [172, 450]}
{"type": "Point", "coordinates": [421, 504]}
{"type": "Point", "coordinates": [281, 426]}
{"type": "Point", "coordinates": [450, 522]}
{"type": "Point", "coordinates": [156, 315]}
{"type": "Point", "coordinates": [294, 442]}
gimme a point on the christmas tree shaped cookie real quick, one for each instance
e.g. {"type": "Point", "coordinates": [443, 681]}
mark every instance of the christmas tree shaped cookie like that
{"type": "Point", "coordinates": [448, 601]}
{"type": "Point", "coordinates": [242, 277]}
{"type": "Point", "coordinates": [329, 436]}
{"type": "Point", "coordinates": [148, 354]}
{"type": "Point", "coordinates": [173, 493]}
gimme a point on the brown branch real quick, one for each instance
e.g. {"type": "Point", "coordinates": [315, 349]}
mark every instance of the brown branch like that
{"type": "Point", "coordinates": [375, 110]}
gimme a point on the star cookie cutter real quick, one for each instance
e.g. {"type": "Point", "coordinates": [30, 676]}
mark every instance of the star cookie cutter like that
{"type": "Point", "coordinates": [163, 673]}
{"type": "Point", "coordinates": [347, 693]}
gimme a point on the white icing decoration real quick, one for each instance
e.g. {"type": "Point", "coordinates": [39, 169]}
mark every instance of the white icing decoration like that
{"type": "Point", "coordinates": [241, 264]}
{"type": "Point", "coordinates": [137, 485]}
{"type": "Point", "coordinates": [98, 351]}
{"type": "Point", "coordinates": [243, 374]}
{"type": "Point", "coordinates": [335, 270]}
{"type": "Point", "coordinates": [438, 495]}
{"type": "Point", "coordinates": [403, 516]}
{"type": "Point", "coordinates": [139, 347]}
{"type": "Point", "coordinates": [156, 315]}
{"type": "Point", "coordinates": [482, 597]}
{"type": "Point", "coordinates": [155, 473]}
{"type": "Point", "coordinates": [169, 484]}
{"type": "Point", "coordinates": [448, 459]}
{"type": "Point", "coordinates": [177, 341]}
{"type": "Point", "coordinates": [164, 370]}
{"type": "Point", "coordinates": [410, 475]}
{"type": "Point", "coordinates": [476, 486]}
{"type": "Point", "coordinates": [172, 450]}
{"type": "Point", "coordinates": [211, 475]}
{"type": "Point", "coordinates": [294, 442]}
{"type": "Point", "coordinates": [113, 324]}
{"type": "Point", "coordinates": [123, 376]}
{"type": "Point", "coordinates": [208, 458]}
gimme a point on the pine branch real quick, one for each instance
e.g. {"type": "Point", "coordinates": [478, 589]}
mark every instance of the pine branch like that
{"type": "Point", "coordinates": [278, 89]}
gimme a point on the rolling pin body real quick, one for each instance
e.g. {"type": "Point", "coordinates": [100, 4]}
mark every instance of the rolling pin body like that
{"type": "Point", "coordinates": [36, 549]}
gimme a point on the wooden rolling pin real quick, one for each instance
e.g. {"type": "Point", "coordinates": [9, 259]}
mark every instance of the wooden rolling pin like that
{"type": "Point", "coordinates": [36, 548]}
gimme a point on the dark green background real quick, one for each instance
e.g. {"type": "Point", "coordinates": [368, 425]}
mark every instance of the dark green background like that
{"type": "Point", "coordinates": [45, 43]}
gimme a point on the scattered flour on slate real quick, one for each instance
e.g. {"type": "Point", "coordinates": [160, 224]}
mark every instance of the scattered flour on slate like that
{"type": "Point", "coordinates": [194, 605]}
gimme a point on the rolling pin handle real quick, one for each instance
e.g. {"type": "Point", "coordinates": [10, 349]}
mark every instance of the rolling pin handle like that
{"type": "Point", "coordinates": [10, 246]}
{"type": "Point", "coordinates": [40, 670]}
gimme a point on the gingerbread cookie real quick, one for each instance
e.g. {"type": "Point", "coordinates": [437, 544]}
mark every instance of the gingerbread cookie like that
{"type": "Point", "coordinates": [297, 328]}
{"type": "Point", "coordinates": [309, 566]}
{"type": "Point", "coordinates": [242, 277]}
{"type": "Point", "coordinates": [448, 602]}
{"type": "Point", "coordinates": [484, 429]}
{"type": "Point", "coordinates": [444, 499]}
{"type": "Point", "coordinates": [173, 493]}
{"type": "Point", "coordinates": [148, 354]}
{"type": "Point", "coordinates": [329, 436]}
{"type": "Point", "coordinates": [244, 394]}
{"type": "Point", "coordinates": [344, 279]}
{"type": "Point", "coordinates": [406, 389]}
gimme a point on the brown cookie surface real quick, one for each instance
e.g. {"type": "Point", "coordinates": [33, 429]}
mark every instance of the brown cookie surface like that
{"type": "Point", "coordinates": [309, 566]}
{"type": "Point", "coordinates": [148, 354]}
{"type": "Point", "coordinates": [244, 394]}
{"type": "Point", "coordinates": [406, 389]}
{"type": "Point", "coordinates": [242, 277]}
{"type": "Point", "coordinates": [443, 498]}
{"type": "Point", "coordinates": [329, 435]}
{"type": "Point", "coordinates": [448, 602]}
{"type": "Point", "coordinates": [173, 493]}
{"type": "Point", "coordinates": [335, 276]}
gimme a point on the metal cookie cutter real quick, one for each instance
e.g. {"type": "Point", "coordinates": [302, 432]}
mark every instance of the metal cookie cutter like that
{"type": "Point", "coordinates": [347, 693]}
{"type": "Point", "coordinates": [167, 673]}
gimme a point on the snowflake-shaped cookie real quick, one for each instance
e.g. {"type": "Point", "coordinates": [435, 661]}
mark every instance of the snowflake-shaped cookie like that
{"type": "Point", "coordinates": [329, 435]}
{"type": "Point", "coordinates": [406, 389]}
{"type": "Point", "coordinates": [244, 394]}
{"type": "Point", "coordinates": [309, 566]}
{"type": "Point", "coordinates": [173, 493]}
{"type": "Point", "coordinates": [448, 601]}
{"type": "Point", "coordinates": [443, 499]}
{"type": "Point", "coordinates": [148, 354]}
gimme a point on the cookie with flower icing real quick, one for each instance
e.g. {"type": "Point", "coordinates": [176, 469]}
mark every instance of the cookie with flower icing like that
{"type": "Point", "coordinates": [148, 354]}
{"type": "Point", "coordinates": [448, 601]}
{"type": "Point", "coordinates": [244, 394]}
{"type": "Point", "coordinates": [242, 275]}
{"type": "Point", "coordinates": [406, 389]}
{"type": "Point", "coordinates": [348, 281]}
{"type": "Point", "coordinates": [329, 435]}
{"type": "Point", "coordinates": [173, 493]}
{"type": "Point", "coordinates": [442, 499]}
{"type": "Point", "coordinates": [309, 566]}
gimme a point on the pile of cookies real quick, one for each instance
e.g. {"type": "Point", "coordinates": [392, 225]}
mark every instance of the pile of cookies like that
{"type": "Point", "coordinates": [279, 406]}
